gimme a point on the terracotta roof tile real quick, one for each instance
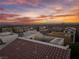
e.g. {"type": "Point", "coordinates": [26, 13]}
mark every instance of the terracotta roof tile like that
{"type": "Point", "coordinates": [23, 49]}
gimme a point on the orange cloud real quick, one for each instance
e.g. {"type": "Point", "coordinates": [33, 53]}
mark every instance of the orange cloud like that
{"type": "Point", "coordinates": [68, 18]}
{"type": "Point", "coordinates": [71, 16]}
{"type": "Point", "coordinates": [72, 19]}
{"type": "Point", "coordinates": [75, 11]}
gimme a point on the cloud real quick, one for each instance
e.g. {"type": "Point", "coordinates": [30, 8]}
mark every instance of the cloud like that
{"type": "Point", "coordinates": [56, 8]}
{"type": "Point", "coordinates": [7, 10]}
{"type": "Point", "coordinates": [69, 12]}
{"type": "Point", "coordinates": [75, 11]}
{"type": "Point", "coordinates": [16, 2]}
{"type": "Point", "coordinates": [51, 9]}
{"type": "Point", "coordinates": [47, 10]}
{"type": "Point", "coordinates": [13, 2]}
{"type": "Point", "coordinates": [76, 3]}
{"type": "Point", "coordinates": [4, 16]}
{"type": "Point", "coordinates": [2, 9]}
{"type": "Point", "coordinates": [72, 16]}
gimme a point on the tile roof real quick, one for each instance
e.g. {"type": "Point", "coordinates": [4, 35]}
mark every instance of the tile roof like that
{"type": "Point", "coordinates": [23, 49]}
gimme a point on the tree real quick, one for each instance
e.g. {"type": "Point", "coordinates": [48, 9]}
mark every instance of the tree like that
{"type": "Point", "coordinates": [74, 51]}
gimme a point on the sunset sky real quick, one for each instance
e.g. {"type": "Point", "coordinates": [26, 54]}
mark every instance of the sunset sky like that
{"type": "Point", "coordinates": [56, 11]}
